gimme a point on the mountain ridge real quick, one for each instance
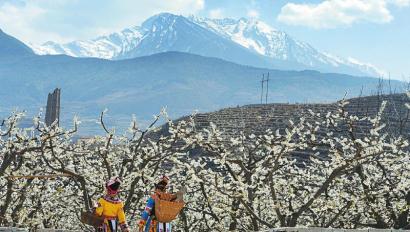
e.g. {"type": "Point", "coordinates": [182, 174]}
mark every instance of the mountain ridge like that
{"type": "Point", "coordinates": [12, 47]}
{"type": "Point", "coordinates": [265, 46]}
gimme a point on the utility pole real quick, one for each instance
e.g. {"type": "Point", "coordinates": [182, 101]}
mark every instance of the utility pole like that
{"type": "Point", "coordinates": [267, 89]}
{"type": "Point", "coordinates": [263, 80]}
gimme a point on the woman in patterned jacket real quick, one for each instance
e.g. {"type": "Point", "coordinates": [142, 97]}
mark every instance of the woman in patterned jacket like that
{"type": "Point", "coordinates": [148, 223]}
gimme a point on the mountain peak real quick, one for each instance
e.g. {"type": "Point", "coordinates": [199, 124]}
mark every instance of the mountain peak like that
{"type": "Point", "coordinates": [162, 21]}
{"type": "Point", "coordinates": [243, 19]}
{"type": "Point", "coordinates": [165, 15]}
{"type": "Point", "coordinates": [162, 17]}
{"type": "Point", "coordinates": [50, 43]}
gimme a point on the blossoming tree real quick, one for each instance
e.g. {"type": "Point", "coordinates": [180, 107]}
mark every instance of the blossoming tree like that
{"type": "Point", "coordinates": [329, 170]}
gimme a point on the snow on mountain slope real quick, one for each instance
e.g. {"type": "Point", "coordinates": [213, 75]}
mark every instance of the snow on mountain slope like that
{"type": "Point", "coordinates": [105, 47]}
{"type": "Point", "coordinates": [168, 32]}
{"type": "Point", "coordinates": [265, 40]}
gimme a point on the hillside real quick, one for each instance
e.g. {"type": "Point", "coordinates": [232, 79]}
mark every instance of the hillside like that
{"type": "Point", "coordinates": [258, 118]}
{"type": "Point", "coordinates": [10, 47]}
{"type": "Point", "coordinates": [142, 86]}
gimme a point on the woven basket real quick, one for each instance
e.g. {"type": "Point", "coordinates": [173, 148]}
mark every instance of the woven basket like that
{"type": "Point", "coordinates": [91, 219]}
{"type": "Point", "coordinates": [166, 210]}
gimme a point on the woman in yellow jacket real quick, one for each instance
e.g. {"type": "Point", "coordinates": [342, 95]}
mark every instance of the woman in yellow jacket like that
{"type": "Point", "coordinates": [112, 208]}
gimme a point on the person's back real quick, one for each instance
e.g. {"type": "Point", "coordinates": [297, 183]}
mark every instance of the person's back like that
{"type": "Point", "coordinates": [148, 222]}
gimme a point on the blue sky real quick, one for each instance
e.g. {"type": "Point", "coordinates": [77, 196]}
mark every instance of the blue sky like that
{"type": "Point", "coordinates": [372, 31]}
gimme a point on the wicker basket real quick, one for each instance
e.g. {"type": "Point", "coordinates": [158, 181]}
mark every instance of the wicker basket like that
{"type": "Point", "coordinates": [91, 219]}
{"type": "Point", "coordinates": [165, 209]}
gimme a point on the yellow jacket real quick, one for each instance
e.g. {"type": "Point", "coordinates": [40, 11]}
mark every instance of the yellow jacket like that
{"type": "Point", "coordinates": [111, 208]}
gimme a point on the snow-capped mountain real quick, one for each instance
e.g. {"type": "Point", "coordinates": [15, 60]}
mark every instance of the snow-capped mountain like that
{"type": "Point", "coordinates": [105, 47]}
{"type": "Point", "coordinates": [244, 41]}
{"type": "Point", "coordinates": [167, 32]}
{"type": "Point", "coordinates": [265, 40]}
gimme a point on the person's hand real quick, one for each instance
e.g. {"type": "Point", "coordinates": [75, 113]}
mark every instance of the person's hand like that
{"type": "Point", "coordinates": [180, 194]}
{"type": "Point", "coordinates": [183, 189]}
{"type": "Point", "coordinates": [94, 207]}
{"type": "Point", "coordinates": [141, 225]}
{"type": "Point", "coordinates": [124, 227]}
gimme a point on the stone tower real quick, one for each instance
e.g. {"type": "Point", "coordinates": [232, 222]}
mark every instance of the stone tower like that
{"type": "Point", "coordinates": [53, 107]}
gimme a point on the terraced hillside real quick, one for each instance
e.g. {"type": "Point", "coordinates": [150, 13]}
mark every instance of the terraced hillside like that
{"type": "Point", "coordinates": [256, 119]}
{"type": "Point", "coordinates": [260, 117]}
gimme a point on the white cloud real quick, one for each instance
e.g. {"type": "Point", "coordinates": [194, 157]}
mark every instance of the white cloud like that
{"type": "Point", "coordinates": [174, 6]}
{"type": "Point", "coordinates": [335, 13]}
{"type": "Point", "coordinates": [253, 13]}
{"type": "Point", "coordinates": [216, 13]}
{"type": "Point", "coordinates": [400, 3]}
{"type": "Point", "coordinates": [16, 19]}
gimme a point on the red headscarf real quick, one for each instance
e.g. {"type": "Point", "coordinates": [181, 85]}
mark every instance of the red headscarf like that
{"type": "Point", "coordinates": [113, 185]}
